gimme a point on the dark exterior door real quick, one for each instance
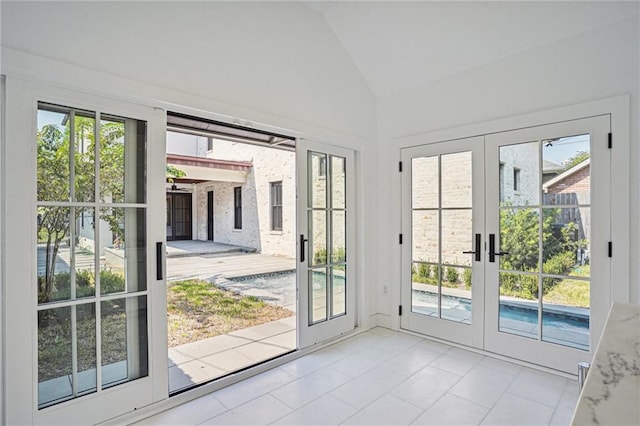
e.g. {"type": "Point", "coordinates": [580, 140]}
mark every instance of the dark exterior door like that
{"type": "Point", "coordinates": [178, 216]}
{"type": "Point", "coordinates": [210, 215]}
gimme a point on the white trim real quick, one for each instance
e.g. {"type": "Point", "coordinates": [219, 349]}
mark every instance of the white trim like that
{"type": "Point", "coordinates": [21, 64]}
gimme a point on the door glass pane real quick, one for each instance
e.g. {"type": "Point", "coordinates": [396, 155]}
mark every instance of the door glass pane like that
{"type": "Point", "coordinates": [318, 233]}
{"type": "Point", "coordinates": [566, 171]}
{"type": "Point", "coordinates": [86, 331]}
{"type": "Point", "coordinates": [123, 148]}
{"type": "Point", "coordinates": [318, 294]}
{"type": "Point", "coordinates": [456, 296]}
{"type": "Point", "coordinates": [425, 184]}
{"type": "Point", "coordinates": [54, 254]}
{"type": "Point", "coordinates": [424, 236]}
{"type": "Point", "coordinates": [456, 180]}
{"type": "Point", "coordinates": [338, 237]}
{"type": "Point", "coordinates": [338, 187]}
{"type": "Point", "coordinates": [124, 336]}
{"type": "Point", "coordinates": [123, 237]}
{"type": "Point", "coordinates": [425, 292]}
{"type": "Point", "coordinates": [53, 170]}
{"type": "Point", "coordinates": [520, 174]}
{"type": "Point", "coordinates": [518, 312]}
{"type": "Point", "coordinates": [55, 361]}
{"type": "Point", "coordinates": [317, 180]}
{"type": "Point", "coordinates": [457, 236]}
{"type": "Point", "coordinates": [83, 171]}
{"type": "Point", "coordinates": [338, 291]}
{"type": "Point", "coordinates": [519, 237]}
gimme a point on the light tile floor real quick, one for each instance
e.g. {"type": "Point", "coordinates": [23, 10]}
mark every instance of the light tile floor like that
{"type": "Point", "coordinates": [383, 377]}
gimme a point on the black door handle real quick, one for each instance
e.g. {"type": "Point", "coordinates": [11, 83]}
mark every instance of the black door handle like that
{"type": "Point", "coordinates": [159, 261]}
{"type": "Point", "coordinates": [492, 249]}
{"type": "Point", "coordinates": [303, 240]}
{"type": "Point", "coordinates": [477, 251]}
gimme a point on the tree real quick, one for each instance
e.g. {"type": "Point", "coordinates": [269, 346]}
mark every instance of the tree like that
{"type": "Point", "coordinates": [576, 159]}
{"type": "Point", "coordinates": [519, 236]}
{"type": "Point", "coordinates": [53, 184]}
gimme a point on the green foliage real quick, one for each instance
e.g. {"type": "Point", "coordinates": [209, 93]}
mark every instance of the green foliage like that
{"type": "Point", "coordinates": [576, 159]}
{"type": "Point", "coordinates": [110, 282]}
{"type": "Point", "coordinates": [173, 173]}
{"type": "Point", "coordinates": [467, 277]}
{"type": "Point", "coordinates": [203, 296]}
{"type": "Point", "coordinates": [519, 236]}
{"type": "Point", "coordinates": [452, 274]}
{"type": "Point", "coordinates": [53, 184]}
{"type": "Point", "coordinates": [320, 256]}
{"type": "Point", "coordinates": [424, 273]}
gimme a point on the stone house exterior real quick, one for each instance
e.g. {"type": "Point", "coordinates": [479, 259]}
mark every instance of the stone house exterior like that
{"type": "Point", "coordinates": [231, 175]}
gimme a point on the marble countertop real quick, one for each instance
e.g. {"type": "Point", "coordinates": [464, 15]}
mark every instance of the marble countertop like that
{"type": "Point", "coordinates": [611, 392]}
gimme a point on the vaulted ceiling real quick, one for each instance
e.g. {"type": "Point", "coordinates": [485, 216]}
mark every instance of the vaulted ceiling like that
{"type": "Point", "coordinates": [400, 45]}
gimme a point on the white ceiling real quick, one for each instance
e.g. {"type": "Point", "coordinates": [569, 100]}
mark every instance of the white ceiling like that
{"type": "Point", "coordinates": [400, 45]}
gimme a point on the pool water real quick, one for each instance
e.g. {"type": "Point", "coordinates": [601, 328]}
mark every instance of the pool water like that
{"type": "Point", "coordinates": [567, 329]}
{"type": "Point", "coordinates": [282, 285]}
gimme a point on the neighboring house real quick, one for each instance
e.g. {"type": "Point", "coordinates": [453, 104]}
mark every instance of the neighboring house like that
{"type": "Point", "coordinates": [572, 187]}
{"type": "Point", "coordinates": [233, 193]}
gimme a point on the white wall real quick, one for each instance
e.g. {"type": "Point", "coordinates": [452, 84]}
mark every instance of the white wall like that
{"type": "Point", "coordinates": [594, 65]}
{"type": "Point", "coordinates": [279, 58]}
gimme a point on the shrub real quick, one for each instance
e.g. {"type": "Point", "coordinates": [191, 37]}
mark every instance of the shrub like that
{"type": "Point", "coordinates": [111, 282]}
{"type": "Point", "coordinates": [467, 277]}
{"type": "Point", "coordinates": [452, 274]}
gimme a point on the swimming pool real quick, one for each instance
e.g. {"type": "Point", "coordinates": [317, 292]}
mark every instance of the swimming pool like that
{"type": "Point", "coordinates": [279, 288]}
{"type": "Point", "coordinates": [560, 324]}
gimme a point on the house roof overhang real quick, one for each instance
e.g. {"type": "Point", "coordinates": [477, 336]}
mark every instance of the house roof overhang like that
{"type": "Point", "coordinates": [562, 176]}
{"type": "Point", "coordinates": [198, 169]}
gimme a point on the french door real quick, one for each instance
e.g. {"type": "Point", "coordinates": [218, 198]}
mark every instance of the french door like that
{"type": "Point", "coordinates": [443, 260]}
{"type": "Point", "coordinates": [326, 275]}
{"type": "Point", "coordinates": [508, 241]}
{"type": "Point", "coordinates": [84, 296]}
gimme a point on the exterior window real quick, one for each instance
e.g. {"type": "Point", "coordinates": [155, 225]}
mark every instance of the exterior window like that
{"type": "Point", "coordinates": [276, 206]}
{"type": "Point", "coordinates": [209, 144]}
{"type": "Point", "coordinates": [237, 207]}
{"type": "Point", "coordinates": [516, 179]}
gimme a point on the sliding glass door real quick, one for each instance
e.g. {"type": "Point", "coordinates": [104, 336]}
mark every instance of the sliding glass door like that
{"type": "Point", "coordinates": [83, 301]}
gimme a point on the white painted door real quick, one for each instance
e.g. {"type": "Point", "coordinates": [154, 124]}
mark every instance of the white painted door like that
{"type": "Point", "coordinates": [442, 240]}
{"type": "Point", "coordinates": [326, 243]}
{"type": "Point", "coordinates": [548, 287]}
{"type": "Point", "coordinates": [84, 288]}
{"type": "Point", "coordinates": [538, 201]}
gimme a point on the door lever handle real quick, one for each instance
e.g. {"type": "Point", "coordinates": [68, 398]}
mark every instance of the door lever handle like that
{"type": "Point", "coordinates": [492, 249]}
{"type": "Point", "coordinates": [477, 250]}
{"type": "Point", "coordinates": [303, 251]}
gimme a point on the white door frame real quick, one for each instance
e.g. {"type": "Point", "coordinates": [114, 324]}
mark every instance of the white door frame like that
{"type": "Point", "coordinates": [311, 334]}
{"type": "Point", "coordinates": [19, 219]}
{"type": "Point", "coordinates": [466, 334]}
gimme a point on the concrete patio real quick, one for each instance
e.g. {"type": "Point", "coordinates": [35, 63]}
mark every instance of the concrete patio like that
{"type": "Point", "coordinates": [208, 359]}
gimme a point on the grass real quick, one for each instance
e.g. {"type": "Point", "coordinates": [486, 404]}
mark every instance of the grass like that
{"type": "Point", "coordinates": [571, 292]}
{"type": "Point", "coordinates": [197, 310]}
